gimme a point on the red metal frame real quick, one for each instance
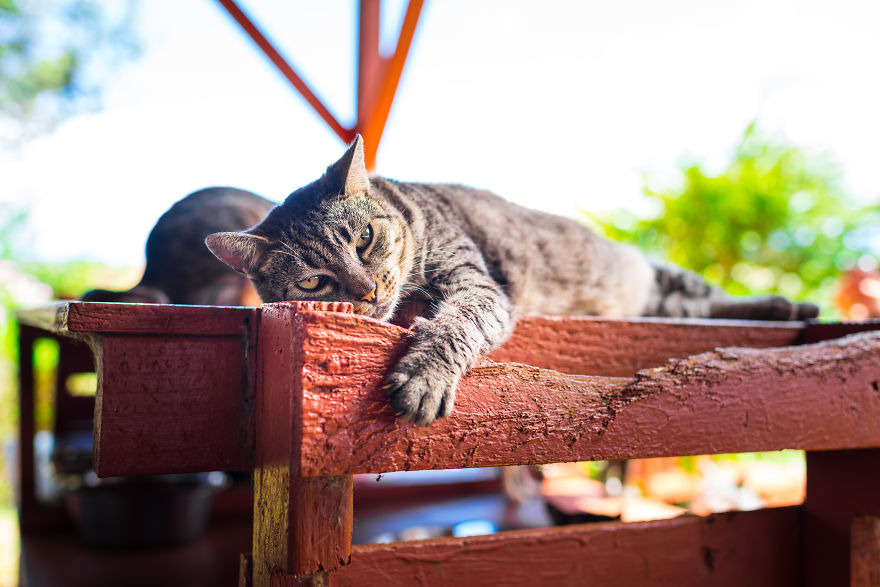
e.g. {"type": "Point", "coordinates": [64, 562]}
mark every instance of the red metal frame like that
{"type": "Point", "coordinates": [378, 75]}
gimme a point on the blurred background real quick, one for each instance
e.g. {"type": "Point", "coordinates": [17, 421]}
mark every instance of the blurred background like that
{"type": "Point", "coordinates": [738, 139]}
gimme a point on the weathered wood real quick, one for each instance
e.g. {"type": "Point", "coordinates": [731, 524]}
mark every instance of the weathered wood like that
{"type": "Point", "coordinates": [743, 548]}
{"type": "Point", "coordinates": [865, 552]}
{"type": "Point", "coordinates": [172, 404]}
{"type": "Point", "coordinates": [302, 527]}
{"type": "Point", "coordinates": [841, 485]}
{"type": "Point", "coordinates": [815, 397]}
{"type": "Point", "coordinates": [619, 348]}
{"type": "Point", "coordinates": [153, 319]}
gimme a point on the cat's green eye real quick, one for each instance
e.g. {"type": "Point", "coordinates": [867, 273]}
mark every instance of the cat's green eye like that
{"type": "Point", "coordinates": [364, 239]}
{"type": "Point", "coordinates": [312, 283]}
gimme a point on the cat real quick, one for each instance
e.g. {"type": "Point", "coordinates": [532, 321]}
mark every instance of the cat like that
{"type": "Point", "coordinates": [464, 262]}
{"type": "Point", "coordinates": [180, 270]}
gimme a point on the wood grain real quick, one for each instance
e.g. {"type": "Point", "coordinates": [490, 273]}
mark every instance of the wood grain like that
{"type": "Point", "coordinates": [302, 526]}
{"type": "Point", "coordinates": [817, 397]}
{"type": "Point", "coordinates": [171, 405]}
{"type": "Point", "coordinates": [841, 486]}
{"type": "Point", "coordinates": [619, 348]}
{"type": "Point", "coordinates": [865, 552]}
{"type": "Point", "coordinates": [758, 548]}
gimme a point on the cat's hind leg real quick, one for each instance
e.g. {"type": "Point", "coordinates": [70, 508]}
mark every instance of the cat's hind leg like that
{"type": "Point", "coordinates": [678, 293]}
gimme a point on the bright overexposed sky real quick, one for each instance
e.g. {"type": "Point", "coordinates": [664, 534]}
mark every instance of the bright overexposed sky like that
{"type": "Point", "coordinates": [556, 105]}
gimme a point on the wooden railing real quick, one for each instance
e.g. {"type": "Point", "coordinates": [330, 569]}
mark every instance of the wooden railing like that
{"type": "Point", "coordinates": [293, 391]}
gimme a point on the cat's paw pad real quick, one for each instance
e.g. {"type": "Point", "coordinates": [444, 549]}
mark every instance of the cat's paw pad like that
{"type": "Point", "coordinates": [419, 393]}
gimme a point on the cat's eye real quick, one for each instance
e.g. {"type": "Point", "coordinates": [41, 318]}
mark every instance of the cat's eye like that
{"type": "Point", "coordinates": [312, 283]}
{"type": "Point", "coordinates": [364, 239]}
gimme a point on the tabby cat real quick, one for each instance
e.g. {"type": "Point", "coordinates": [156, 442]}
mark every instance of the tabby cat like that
{"type": "Point", "coordinates": [465, 262]}
{"type": "Point", "coordinates": [180, 270]}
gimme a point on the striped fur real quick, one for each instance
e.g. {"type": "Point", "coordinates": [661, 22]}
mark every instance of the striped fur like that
{"type": "Point", "coordinates": [462, 264]}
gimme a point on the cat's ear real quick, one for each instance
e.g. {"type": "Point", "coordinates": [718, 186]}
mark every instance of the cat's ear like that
{"type": "Point", "coordinates": [349, 174]}
{"type": "Point", "coordinates": [239, 250]}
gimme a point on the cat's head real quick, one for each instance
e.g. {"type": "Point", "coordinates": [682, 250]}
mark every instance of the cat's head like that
{"type": "Point", "coordinates": [332, 240]}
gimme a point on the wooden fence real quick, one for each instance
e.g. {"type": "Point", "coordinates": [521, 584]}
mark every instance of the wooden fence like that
{"type": "Point", "coordinates": [293, 391]}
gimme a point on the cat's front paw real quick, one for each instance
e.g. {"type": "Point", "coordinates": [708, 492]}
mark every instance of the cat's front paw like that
{"type": "Point", "coordinates": [421, 386]}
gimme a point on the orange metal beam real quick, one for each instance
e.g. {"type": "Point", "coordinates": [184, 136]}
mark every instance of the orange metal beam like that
{"type": "Point", "coordinates": [373, 124]}
{"type": "Point", "coordinates": [378, 76]}
{"type": "Point", "coordinates": [346, 134]}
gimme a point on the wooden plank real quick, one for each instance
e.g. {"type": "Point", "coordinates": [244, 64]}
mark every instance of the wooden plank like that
{"type": "Point", "coordinates": [103, 318]}
{"type": "Point", "coordinates": [172, 405]}
{"type": "Point", "coordinates": [841, 485]}
{"type": "Point", "coordinates": [817, 397]}
{"type": "Point", "coordinates": [865, 552]}
{"type": "Point", "coordinates": [157, 319]}
{"type": "Point", "coordinates": [619, 348]}
{"type": "Point", "coordinates": [742, 548]}
{"type": "Point", "coordinates": [302, 526]}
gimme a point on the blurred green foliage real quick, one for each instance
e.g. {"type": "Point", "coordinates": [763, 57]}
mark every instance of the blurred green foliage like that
{"type": "Point", "coordinates": [775, 220]}
{"type": "Point", "coordinates": [56, 54]}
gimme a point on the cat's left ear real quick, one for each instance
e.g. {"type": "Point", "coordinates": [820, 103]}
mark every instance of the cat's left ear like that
{"type": "Point", "coordinates": [349, 174]}
{"type": "Point", "coordinates": [239, 250]}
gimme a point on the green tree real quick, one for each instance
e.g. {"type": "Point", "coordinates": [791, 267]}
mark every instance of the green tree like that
{"type": "Point", "coordinates": [56, 54]}
{"type": "Point", "coordinates": [775, 220]}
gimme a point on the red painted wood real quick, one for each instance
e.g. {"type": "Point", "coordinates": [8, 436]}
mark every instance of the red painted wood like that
{"type": "Point", "coordinates": [301, 526]}
{"type": "Point", "coordinates": [619, 348]}
{"type": "Point", "coordinates": [818, 396]}
{"type": "Point", "coordinates": [172, 404]}
{"type": "Point", "coordinates": [154, 319]}
{"type": "Point", "coordinates": [865, 552]}
{"type": "Point", "coordinates": [841, 485]}
{"type": "Point", "coordinates": [743, 548]}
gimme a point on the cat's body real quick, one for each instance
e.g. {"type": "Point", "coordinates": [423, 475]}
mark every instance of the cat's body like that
{"type": "Point", "coordinates": [464, 262]}
{"type": "Point", "coordinates": [180, 270]}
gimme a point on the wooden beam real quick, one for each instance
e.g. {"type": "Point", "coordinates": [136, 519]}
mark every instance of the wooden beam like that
{"type": "Point", "coordinates": [302, 527]}
{"type": "Point", "coordinates": [245, 22]}
{"type": "Point", "coordinates": [152, 319]}
{"type": "Point", "coordinates": [815, 397]}
{"type": "Point", "coordinates": [618, 348]}
{"type": "Point", "coordinates": [865, 552]}
{"type": "Point", "coordinates": [841, 486]}
{"type": "Point", "coordinates": [759, 548]}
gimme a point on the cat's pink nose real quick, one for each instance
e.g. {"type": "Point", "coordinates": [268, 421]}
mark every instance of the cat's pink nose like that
{"type": "Point", "coordinates": [370, 297]}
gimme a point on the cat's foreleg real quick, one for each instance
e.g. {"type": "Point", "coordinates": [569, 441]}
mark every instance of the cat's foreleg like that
{"type": "Point", "coordinates": [473, 317]}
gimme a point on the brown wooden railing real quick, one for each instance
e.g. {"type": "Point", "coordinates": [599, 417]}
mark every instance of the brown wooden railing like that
{"type": "Point", "coordinates": [293, 391]}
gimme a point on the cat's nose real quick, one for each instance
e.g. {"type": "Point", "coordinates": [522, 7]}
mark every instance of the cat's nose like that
{"type": "Point", "coordinates": [371, 296]}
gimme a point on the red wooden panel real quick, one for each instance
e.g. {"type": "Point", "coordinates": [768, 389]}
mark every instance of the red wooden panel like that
{"type": "Point", "coordinates": [172, 404]}
{"type": "Point", "coordinates": [820, 396]}
{"type": "Point", "coordinates": [619, 348]}
{"type": "Point", "coordinates": [743, 548]}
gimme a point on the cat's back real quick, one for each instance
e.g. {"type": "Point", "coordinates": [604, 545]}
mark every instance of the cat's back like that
{"type": "Point", "coordinates": [179, 263]}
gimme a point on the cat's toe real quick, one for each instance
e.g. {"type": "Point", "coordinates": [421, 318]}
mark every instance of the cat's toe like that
{"type": "Point", "coordinates": [420, 399]}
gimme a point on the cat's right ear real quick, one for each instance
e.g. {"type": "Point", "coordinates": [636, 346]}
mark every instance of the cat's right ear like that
{"type": "Point", "coordinates": [239, 250]}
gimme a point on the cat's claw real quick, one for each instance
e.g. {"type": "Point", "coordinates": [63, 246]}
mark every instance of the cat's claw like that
{"type": "Point", "coordinates": [420, 395]}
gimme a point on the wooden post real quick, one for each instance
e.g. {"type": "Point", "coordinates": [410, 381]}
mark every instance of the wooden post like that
{"type": "Point", "coordinates": [841, 486]}
{"type": "Point", "coordinates": [302, 526]}
{"type": "Point", "coordinates": [865, 556]}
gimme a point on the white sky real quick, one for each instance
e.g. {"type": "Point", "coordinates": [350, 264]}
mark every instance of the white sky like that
{"type": "Point", "coordinates": [556, 105]}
